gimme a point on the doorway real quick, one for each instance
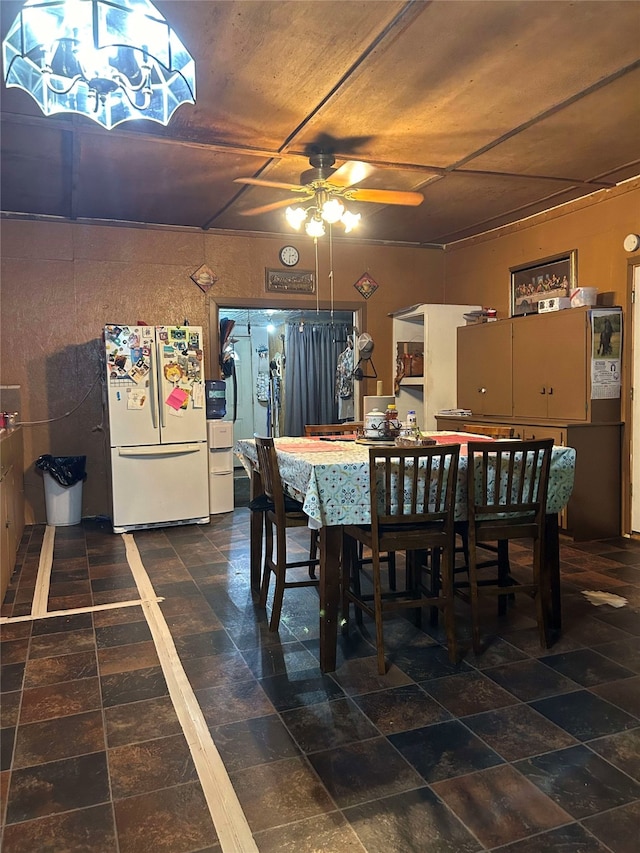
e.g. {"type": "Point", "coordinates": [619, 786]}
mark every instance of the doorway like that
{"type": "Point", "coordinates": [635, 406]}
{"type": "Point", "coordinates": [271, 347]}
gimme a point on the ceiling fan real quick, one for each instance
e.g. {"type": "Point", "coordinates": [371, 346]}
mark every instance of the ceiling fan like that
{"type": "Point", "coordinates": [327, 189]}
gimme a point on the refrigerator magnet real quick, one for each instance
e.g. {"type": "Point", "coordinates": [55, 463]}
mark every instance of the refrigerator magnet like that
{"type": "Point", "coordinates": [173, 372]}
{"type": "Point", "coordinates": [136, 398]}
{"type": "Point", "coordinates": [197, 395]}
{"type": "Point", "coordinates": [177, 398]}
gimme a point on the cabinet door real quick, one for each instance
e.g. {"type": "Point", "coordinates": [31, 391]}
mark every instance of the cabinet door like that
{"type": "Point", "coordinates": [550, 366]}
{"type": "Point", "coordinates": [533, 433]}
{"type": "Point", "coordinates": [484, 368]}
{"type": "Point", "coordinates": [566, 365]}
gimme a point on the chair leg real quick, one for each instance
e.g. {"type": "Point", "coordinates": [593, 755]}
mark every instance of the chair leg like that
{"type": "Point", "coordinates": [268, 562]}
{"type": "Point", "coordinates": [543, 596]}
{"type": "Point", "coordinates": [449, 607]}
{"type": "Point", "coordinates": [278, 594]}
{"type": "Point", "coordinates": [355, 579]}
{"type": "Point", "coordinates": [503, 575]}
{"type": "Point", "coordinates": [377, 601]}
{"type": "Point", "coordinates": [347, 570]}
{"type": "Point", "coordinates": [434, 586]}
{"type": "Point", "coordinates": [475, 605]}
{"type": "Point", "coordinates": [391, 563]}
{"type": "Point", "coordinates": [412, 568]}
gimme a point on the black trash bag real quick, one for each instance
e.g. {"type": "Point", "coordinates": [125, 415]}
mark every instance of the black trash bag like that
{"type": "Point", "coordinates": [67, 470]}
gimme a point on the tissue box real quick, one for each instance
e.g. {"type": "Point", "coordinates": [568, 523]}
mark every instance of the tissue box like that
{"type": "Point", "coordinates": [584, 296]}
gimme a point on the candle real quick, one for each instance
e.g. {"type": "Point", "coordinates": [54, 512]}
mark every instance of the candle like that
{"type": "Point", "coordinates": [379, 388]}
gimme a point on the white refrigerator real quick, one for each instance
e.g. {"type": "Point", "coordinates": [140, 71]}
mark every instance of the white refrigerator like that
{"type": "Point", "coordinates": [157, 426]}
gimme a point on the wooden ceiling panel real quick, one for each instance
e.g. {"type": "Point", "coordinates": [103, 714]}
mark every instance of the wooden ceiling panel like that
{"type": "Point", "coordinates": [421, 90]}
{"type": "Point", "coordinates": [265, 65]}
{"type": "Point", "coordinates": [150, 181]}
{"type": "Point", "coordinates": [466, 73]}
{"type": "Point", "coordinates": [581, 141]}
{"type": "Point", "coordinates": [462, 205]}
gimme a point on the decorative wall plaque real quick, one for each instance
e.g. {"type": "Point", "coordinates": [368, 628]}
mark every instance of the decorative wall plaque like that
{"type": "Point", "coordinates": [290, 281]}
{"type": "Point", "coordinates": [204, 277]}
{"type": "Point", "coordinates": [366, 286]}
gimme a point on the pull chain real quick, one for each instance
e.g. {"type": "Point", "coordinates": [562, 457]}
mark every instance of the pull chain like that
{"type": "Point", "coordinates": [315, 242]}
{"type": "Point", "coordinates": [331, 266]}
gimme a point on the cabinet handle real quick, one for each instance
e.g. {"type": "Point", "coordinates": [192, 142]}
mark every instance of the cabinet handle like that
{"type": "Point", "coordinates": [543, 390]}
{"type": "Point", "coordinates": [550, 392]}
{"type": "Point", "coordinates": [482, 390]}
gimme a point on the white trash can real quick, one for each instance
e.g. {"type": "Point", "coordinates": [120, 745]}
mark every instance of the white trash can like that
{"type": "Point", "coordinates": [64, 503]}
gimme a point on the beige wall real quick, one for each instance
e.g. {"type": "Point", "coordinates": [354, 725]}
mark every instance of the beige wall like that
{"type": "Point", "coordinates": [61, 282]}
{"type": "Point", "coordinates": [477, 270]}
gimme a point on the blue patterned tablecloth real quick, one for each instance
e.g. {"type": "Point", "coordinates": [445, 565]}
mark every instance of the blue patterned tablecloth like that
{"type": "Point", "coordinates": [333, 483]}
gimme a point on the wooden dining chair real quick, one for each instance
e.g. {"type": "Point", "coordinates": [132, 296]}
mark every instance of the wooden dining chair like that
{"type": "Point", "coordinates": [281, 513]}
{"type": "Point", "coordinates": [347, 428]}
{"type": "Point", "coordinates": [507, 486]}
{"type": "Point", "coordinates": [412, 495]}
{"type": "Point", "coordinates": [501, 550]}
{"type": "Point", "coordinates": [490, 430]}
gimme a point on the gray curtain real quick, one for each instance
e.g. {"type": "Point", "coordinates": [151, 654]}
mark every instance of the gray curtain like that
{"type": "Point", "coordinates": [310, 374]}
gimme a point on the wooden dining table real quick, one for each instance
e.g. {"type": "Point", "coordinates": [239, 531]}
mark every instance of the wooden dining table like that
{"type": "Point", "coordinates": [330, 477]}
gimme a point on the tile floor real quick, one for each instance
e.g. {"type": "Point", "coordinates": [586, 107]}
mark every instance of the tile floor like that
{"type": "Point", "coordinates": [519, 750]}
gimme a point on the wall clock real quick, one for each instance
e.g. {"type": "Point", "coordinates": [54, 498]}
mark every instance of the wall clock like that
{"type": "Point", "coordinates": [289, 256]}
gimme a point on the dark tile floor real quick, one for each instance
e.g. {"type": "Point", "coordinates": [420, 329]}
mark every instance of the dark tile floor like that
{"type": "Point", "coordinates": [519, 749]}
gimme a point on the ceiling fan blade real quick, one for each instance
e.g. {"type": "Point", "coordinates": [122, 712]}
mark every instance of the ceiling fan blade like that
{"type": "Point", "coordinates": [351, 172]}
{"type": "Point", "coordinates": [413, 199]}
{"type": "Point", "coordinates": [260, 182]}
{"type": "Point", "coordinates": [275, 205]}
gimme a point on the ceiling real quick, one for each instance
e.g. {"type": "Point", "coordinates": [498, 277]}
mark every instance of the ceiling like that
{"type": "Point", "coordinates": [493, 110]}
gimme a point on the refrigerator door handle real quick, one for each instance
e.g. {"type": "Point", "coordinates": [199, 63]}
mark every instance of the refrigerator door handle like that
{"type": "Point", "coordinates": [160, 450]}
{"type": "Point", "coordinates": [160, 389]}
{"type": "Point", "coordinates": [155, 398]}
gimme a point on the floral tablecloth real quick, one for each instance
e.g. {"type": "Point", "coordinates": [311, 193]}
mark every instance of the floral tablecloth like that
{"type": "Point", "coordinates": [332, 478]}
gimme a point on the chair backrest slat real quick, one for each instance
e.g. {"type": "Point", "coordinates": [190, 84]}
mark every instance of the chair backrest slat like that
{"type": "Point", "coordinates": [333, 429]}
{"type": "Point", "coordinates": [508, 479]}
{"type": "Point", "coordinates": [413, 486]}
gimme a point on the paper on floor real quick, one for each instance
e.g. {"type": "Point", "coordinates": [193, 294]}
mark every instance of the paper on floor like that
{"type": "Point", "coordinates": [598, 597]}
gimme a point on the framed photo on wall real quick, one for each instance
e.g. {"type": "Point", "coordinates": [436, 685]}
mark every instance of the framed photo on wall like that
{"type": "Point", "coordinates": [548, 278]}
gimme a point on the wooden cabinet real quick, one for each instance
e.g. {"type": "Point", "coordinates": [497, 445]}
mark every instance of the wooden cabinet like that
{"type": "Point", "coordinates": [484, 368]}
{"type": "Point", "coordinates": [11, 503]}
{"type": "Point", "coordinates": [550, 360]}
{"type": "Point", "coordinates": [431, 329]}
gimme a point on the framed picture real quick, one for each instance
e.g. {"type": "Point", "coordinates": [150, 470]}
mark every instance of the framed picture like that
{"type": "Point", "coordinates": [548, 278]}
{"type": "Point", "coordinates": [290, 281]}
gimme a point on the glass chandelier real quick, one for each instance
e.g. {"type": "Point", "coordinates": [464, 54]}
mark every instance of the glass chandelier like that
{"type": "Point", "coordinates": [110, 60]}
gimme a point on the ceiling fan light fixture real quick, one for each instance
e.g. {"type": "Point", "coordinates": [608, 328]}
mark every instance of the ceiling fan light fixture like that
{"type": "Point", "coordinates": [295, 216]}
{"type": "Point", "coordinates": [109, 60]}
{"type": "Point", "coordinates": [315, 226]}
{"type": "Point", "coordinates": [350, 220]}
{"type": "Point", "coordinates": [332, 210]}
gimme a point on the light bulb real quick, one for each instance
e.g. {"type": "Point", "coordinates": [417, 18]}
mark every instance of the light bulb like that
{"type": "Point", "coordinates": [350, 220]}
{"type": "Point", "coordinates": [332, 210]}
{"type": "Point", "coordinates": [295, 216]}
{"type": "Point", "coordinates": [315, 227]}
